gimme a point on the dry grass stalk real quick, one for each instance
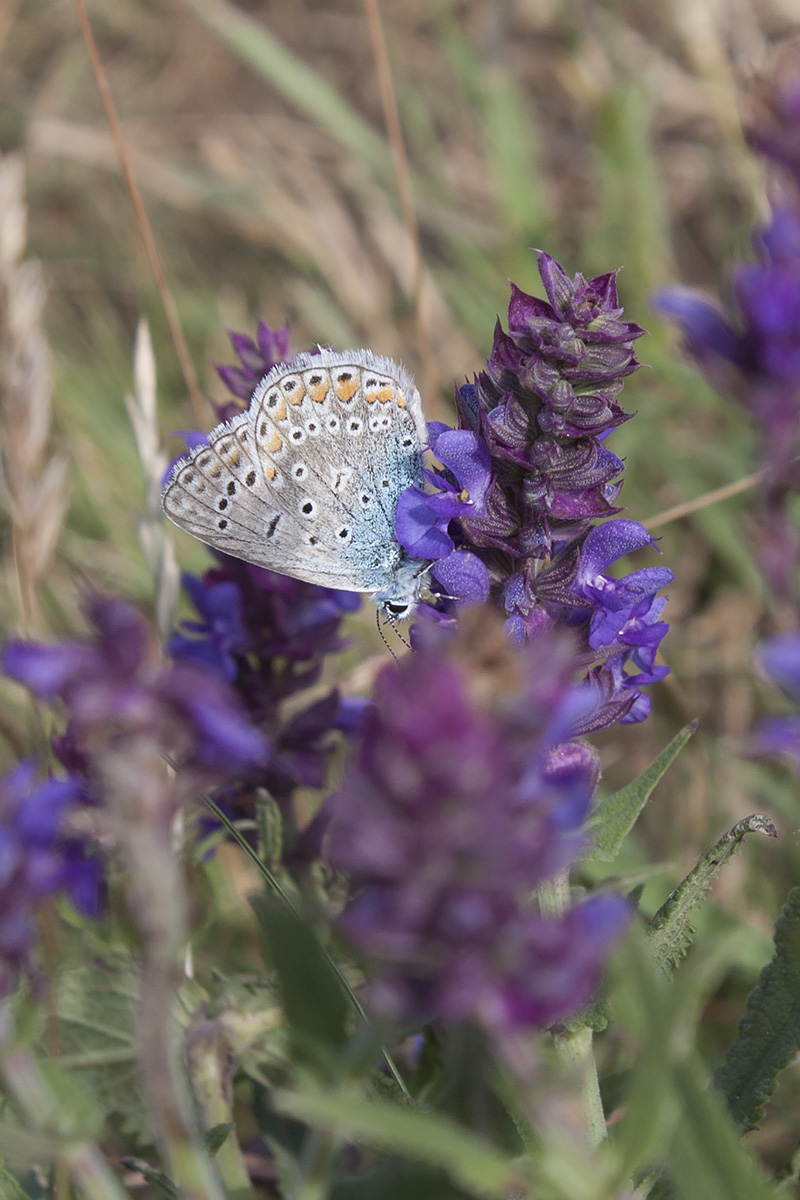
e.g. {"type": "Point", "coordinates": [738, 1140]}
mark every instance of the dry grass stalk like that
{"type": "Point", "coordinates": [34, 480]}
{"type": "Point", "coordinates": [142, 411]}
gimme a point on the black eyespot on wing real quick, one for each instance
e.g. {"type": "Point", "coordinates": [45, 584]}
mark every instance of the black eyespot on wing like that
{"type": "Point", "coordinates": [262, 429]}
{"type": "Point", "coordinates": [307, 508]}
{"type": "Point", "coordinates": [250, 478]}
{"type": "Point", "coordinates": [344, 532]}
{"type": "Point", "coordinates": [344, 376]}
{"type": "Point", "coordinates": [223, 524]}
{"type": "Point", "coordinates": [231, 489]}
{"type": "Point", "coordinates": [223, 504]}
{"type": "Point", "coordinates": [315, 379]}
{"type": "Point", "coordinates": [273, 525]}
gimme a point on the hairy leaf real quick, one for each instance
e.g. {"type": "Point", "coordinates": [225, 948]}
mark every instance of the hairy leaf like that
{"type": "Point", "coordinates": [671, 932]}
{"type": "Point", "coordinates": [96, 1006]}
{"type": "Point", "coordinates": [769, 1034]}
{"type": "Point", "coordinates": [615, 816]}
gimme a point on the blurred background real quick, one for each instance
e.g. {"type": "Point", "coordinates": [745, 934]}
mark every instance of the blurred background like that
{"type": "Point", "coordinates": [607, 133]}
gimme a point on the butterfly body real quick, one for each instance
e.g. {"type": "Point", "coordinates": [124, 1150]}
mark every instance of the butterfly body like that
{"type": "Point", "coordinates": [306, 480]}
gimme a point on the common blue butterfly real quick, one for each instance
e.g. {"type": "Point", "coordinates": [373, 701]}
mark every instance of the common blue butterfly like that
{"type": "Point", "coordinates": [306, 480]}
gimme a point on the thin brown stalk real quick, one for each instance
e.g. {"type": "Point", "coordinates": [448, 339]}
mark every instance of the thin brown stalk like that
{"type": "Point", "coordinates": [705, 501]}
{"type": "Point", "coordinates": [405, 191]}
{"type": "Point", "coordinates": [198, 401]}
{"type": "Point", "coordinates": [34, 480]}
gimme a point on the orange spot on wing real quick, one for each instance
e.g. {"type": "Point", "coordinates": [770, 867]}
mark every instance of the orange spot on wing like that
{"type": "Point", "coordinates": [345, 389]}
{"type": "Point", "coordinates": [274, 442]}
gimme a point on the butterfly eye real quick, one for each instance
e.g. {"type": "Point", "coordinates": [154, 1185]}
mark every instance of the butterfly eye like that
{"type": "Point", "coordinates": [395, 609]}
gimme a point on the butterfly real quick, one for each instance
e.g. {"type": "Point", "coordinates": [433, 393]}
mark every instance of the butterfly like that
{"type": "Point", "coordinates": [306, 480]}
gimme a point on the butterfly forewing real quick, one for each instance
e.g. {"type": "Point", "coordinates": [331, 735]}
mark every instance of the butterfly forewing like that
{"type": "Point", "coordinates": [306, 481]}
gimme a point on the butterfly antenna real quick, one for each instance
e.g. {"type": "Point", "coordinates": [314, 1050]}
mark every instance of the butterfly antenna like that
{"type": "Point", "coordinates": [398, 634]}
{"type": "Point", "coordinates": [382, 635]}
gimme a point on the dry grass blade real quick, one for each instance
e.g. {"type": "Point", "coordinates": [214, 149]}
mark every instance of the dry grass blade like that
{"type": "Point", "coordinates": [34, 481]}
{"type": "Point", "coordinates": [198, 402]}
{"type": "Point", "coordinates": [142, 410]}
{"type": "Point", "coordinates": [402, 172]}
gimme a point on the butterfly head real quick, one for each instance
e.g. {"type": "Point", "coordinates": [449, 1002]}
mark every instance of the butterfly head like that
{"type": "Point", "coordinates": [399, 600]}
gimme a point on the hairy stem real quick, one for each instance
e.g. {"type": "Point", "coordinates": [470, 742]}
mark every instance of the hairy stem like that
{"type": "Point", "coordinates": [575, 1048]}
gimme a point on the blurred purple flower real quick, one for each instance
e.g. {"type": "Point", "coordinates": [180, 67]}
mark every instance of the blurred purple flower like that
{"type": "Point", "coordinates": [753, 353]}
{"type": "Point", "coordinates": [39, 857]}
{"type": "Point", "coordinates": [780, 735]}
{"type": "Point", "coordinates": [114, 683]}
{"type": "Point", "coordinates": [528, 474]}
{"type": "Point", "coordinates": [448, 819]}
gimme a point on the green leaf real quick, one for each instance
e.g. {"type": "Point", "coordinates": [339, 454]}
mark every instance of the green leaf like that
{"type": "Point", "coordinates": [769, 1034]}
{"type": "Point", "coordinates": [152, 1175]}
{"type": "Point", "coordinates": [671, 1118]}
{"type": "Point", "coordinates": [96, 1007]}
{"type": "Point", "coordinates": [312, 998]}
{"type": "Point", "coordinates": [398, 1180]}
{"type": "Point", "coordinates": [670, 930]}
{"type": "Point", "coordinates": [215, 1137]}
{"type": "Point", "coordinates": [421, 1135]}
{"type": "Point", "coordinates": [615, 816]}
{"type": "Point", "coordinates": [706, 1158]}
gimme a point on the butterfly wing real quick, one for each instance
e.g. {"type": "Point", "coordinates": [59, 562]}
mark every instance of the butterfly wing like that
{"type": "Point", "coordinates": [306, 481]}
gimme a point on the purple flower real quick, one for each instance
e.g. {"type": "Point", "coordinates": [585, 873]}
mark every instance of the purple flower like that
{"type": "Point", "coordinates": [753, 353]}
{"type": "Point", "coordinates": [423, 519]}
{"type": "Point", "coordinates": [39, 857]}
{"type": "Point", "coordinates": [114, 684]}
{"type": "Point", "coordinates": [256, 357]}
{"type": "Point", "coordinates": [268, 636]}
{"type": "Point", "coordinates": [527, 476]}
{"type": "Point", "coordinates": [450, 816]}
{"type": "Point", "coordinates": [780, 735]}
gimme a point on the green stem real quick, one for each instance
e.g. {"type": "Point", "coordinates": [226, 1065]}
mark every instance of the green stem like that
{"type": "Point", "coordinates": [209, 1059]}
{"type": "Point", "coordinates": [37, 1102]}
{"type": "Point", "coordinates": [575, 1048]}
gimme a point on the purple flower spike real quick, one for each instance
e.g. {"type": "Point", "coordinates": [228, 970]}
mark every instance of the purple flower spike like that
{"type": "Point", "coordinates": [450, 815]}
{"type": "Point", "coordinates": [268, 636]}
{"type": "Point", "coordinates": [753, 353]}
{"type": "Point", "coordinates": [523, 480]}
